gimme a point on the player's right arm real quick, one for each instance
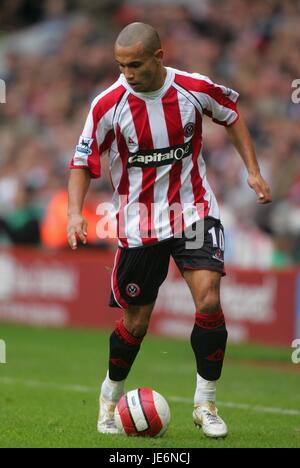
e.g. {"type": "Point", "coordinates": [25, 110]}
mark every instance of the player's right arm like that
{"type": "Point", "coordinates": [79, 182]}
{"type": "Point", "coordinates": [85, 165]}
{"type": "Point", "coordinates": [95, 140]}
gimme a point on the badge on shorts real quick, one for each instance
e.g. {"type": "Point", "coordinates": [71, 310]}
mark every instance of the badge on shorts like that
{"type": "Point", "coordinates": [133, 290]}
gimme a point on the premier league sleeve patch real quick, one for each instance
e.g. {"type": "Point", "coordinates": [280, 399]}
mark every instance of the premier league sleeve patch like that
{"type": "Point", "coordinates": [83, 151]}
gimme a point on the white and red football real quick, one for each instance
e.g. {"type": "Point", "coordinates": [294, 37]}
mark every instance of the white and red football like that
{"type": "Point", "coordinates": [142, 412]}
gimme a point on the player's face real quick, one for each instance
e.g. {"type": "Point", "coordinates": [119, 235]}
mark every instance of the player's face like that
{"type": "Point", "coordinates": [142, 70]}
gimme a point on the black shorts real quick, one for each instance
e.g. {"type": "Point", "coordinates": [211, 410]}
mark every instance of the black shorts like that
{"type": "Point", "coordinates": [140, 271]}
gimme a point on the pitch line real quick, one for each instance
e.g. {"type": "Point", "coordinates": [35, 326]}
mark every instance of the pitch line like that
{"type": "Point", "coordinates": [175, 399]}
{"type": "Point", "coordinates": [245, 406]}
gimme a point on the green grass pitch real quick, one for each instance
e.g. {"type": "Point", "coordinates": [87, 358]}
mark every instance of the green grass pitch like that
{"type": "Point", "coordinates": [50, 383]}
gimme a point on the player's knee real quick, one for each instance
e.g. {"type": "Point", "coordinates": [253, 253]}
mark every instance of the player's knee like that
{"type": "Point", "coordinates": [208, 302]}
{"type": "Point", "coordinates": [137, 326]}
{"type": "Point", "coordinates": [137, 318]}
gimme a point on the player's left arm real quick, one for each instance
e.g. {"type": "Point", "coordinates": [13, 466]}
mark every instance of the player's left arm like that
{"type": "Point", "coordinates": [241, 139]}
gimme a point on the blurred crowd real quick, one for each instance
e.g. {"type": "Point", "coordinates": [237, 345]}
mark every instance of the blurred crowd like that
{"type": "Point", "coordinates": [56, 56]}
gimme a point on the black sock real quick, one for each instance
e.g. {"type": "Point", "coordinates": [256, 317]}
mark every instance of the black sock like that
{"type": "Point", "coordinates": [208, 340]}
{"type": "Point", "coordinates": [124, 348]}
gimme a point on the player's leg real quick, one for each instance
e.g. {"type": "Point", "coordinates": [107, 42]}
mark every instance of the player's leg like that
{"type": "Point", "coordinates": [208, 340]}
{"type": "Point", "coordinates": [202, 268]}
{"type": "Point", "coordinates": [125, 343]}
{"type": "Point", "coordinates": [209, 334]}
{"type": "Point", "coordinates": [137, 276]}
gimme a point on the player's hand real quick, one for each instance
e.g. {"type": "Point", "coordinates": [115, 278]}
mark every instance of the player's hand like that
{"type": "Point", "coordinates": [261, 188]}
{"type": "Point", "coordinates": [77, 229]}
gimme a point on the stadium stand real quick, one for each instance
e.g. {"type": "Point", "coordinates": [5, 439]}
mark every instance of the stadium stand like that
{"type": "Point", "coordinates": [55, 56]}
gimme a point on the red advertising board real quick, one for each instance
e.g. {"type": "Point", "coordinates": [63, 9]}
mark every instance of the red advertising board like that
{"type": "Point", "coordinates": [72, 289]}
{"type": "Point", "coordinates": [56, 289]}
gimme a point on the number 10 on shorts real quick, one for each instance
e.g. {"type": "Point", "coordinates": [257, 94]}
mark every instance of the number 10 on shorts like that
{"type": "Point", "coordinates": [217, 242]}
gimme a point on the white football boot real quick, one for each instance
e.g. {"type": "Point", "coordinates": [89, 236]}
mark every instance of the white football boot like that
{"type": "Point", "coordinates": [206, 416]}
{"type": "Point", "coordinates": [106, 422]}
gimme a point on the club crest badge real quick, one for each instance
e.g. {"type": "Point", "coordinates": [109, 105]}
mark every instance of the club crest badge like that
{"type": "Point", "coordinates": [133, 290]}
{"type": "Point", "coordinates": [189, 129]}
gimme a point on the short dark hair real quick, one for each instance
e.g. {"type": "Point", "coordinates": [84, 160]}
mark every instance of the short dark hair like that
{"type": "Point", "coordinates": [139, 32]}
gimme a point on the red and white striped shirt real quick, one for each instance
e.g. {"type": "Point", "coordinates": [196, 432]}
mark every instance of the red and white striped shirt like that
{"type": "Point", "coordinates": [154, 141]}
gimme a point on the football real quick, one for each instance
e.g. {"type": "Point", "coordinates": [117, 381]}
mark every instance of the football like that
{"type": "Point", "coordinates": [142, 412]}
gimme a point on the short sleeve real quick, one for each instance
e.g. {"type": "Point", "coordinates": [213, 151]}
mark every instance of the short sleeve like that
{"type": "Point", "coordinates": [218, 102]}
{"type": "Point", "coordinates": [93, 141]}
{"type": "Point", "coordinates": [86, 154]}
